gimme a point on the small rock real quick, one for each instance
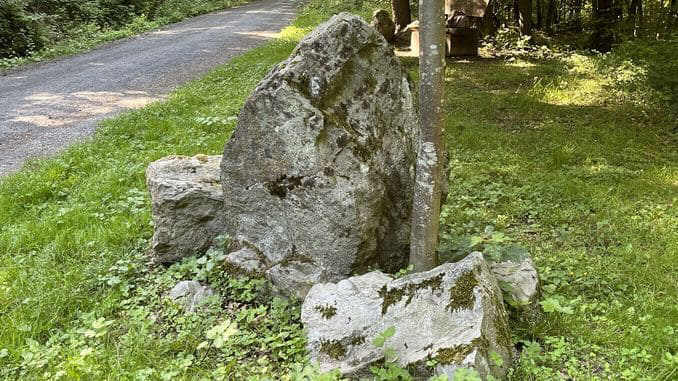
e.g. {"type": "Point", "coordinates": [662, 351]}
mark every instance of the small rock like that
{"type": "Point", "coordinates": [453, 313]}
{"type": "Point", "coordinates": [245, 261]}
{"type": "Point", "coordinates": [190, 294]}
{"type": "Point", "coordinates": [517, 277]}
{"type": "Point", "coordinates": [187, 205]}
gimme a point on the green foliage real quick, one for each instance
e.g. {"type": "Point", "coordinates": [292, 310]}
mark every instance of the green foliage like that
{"type": "Point", "coordinates": [390, 370]}
{"type": "Point", "coordinates": [381, 338]}
{"type": "Point", "coordinates": [20, 32]}
{"type": "Point", "coordinates": [34, 30]}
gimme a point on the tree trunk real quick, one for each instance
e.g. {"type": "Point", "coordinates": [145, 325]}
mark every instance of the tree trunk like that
{"type": "Point", "coordinates": [428, 187]}
{"type": "Point", "coordinates": [604, 26]}
{"type": "Point", "coordinates": [522, 14]}
{"type": "Point", "coordinates": [636, 15]}
{"type": "Point", "coordinates": [540, 14]}
{"type": "Point", "coordinates": [578, 27]}
{"type": "Point", "coordinates": [636, 8]}
{"type": "Point", "coordinates": [551, 15]}
{"type": "Point", "coordinates": [489, 24]}
{"type": "Point", "coordinates": [402, 15]}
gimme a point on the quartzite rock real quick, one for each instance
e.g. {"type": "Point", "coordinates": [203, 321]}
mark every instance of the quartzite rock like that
{"type": "Point", "coordinates": [319, 173]}
{"type": "Point", "coordinates": [187, 205]}
{"type": "Point", "coordinates": [453, 313]}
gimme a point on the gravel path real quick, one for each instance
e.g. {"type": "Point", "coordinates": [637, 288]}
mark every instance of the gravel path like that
{"type": "Point", "coordinates": [46, 107]}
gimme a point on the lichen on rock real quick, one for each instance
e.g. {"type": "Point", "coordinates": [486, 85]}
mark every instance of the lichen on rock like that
{"type": "Point", "coordinates": [321, 164]}
{"type": "Point", "coordinates": [425, 325]}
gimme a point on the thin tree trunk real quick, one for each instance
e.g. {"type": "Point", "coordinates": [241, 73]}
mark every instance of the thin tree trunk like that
{"type": "Point", "coordinates": [522, 15]}
{"type": "Point", "coordinates": [636, 15]}
{"type": "Point", "coordinates": [577, 15]}
{"type": "Point", "coordinates": [551, 15]}
{"type": "Point", "coordinates": [604, 25]}
{"type": "Point", "coordinates": [402, 14]}
{"type": "Point", "coordinates": [428, 187]}
{"type": "Point", "coordinates": [540, 14]}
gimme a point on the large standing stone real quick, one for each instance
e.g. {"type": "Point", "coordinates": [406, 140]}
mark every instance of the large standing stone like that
{"type": "Point", "coordinates": [453, 313]}
{"type": "Point", "coordinates": [318, 176]}
{"type": "Point", "coordinates": [187, 205]}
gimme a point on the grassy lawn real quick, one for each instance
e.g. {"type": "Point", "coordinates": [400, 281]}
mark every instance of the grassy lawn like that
{"type": "Point", "coordinates": [562, 155]}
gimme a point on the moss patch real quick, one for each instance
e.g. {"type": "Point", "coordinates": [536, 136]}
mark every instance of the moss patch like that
{"type": "Point", "coordinates": [461, 294]}
{"type": "Point", "coordinates": [326, 311]}
{"type": "Point", "coordinates": [455, 355]}
{"type": "Point", "coordinates": [333, 348]}
{"type": "Point", "coordinates": [358, 340]}
{"type": "Point", "coordinates": [395, 295]}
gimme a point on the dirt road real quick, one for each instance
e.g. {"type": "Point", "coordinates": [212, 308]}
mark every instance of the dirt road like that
{"type": "Point", "coordinates": [46, 107]}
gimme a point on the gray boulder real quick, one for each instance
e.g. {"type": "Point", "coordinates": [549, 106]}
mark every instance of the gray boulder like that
{"type": "Point", "coordinates": [453, 313]}
{"type": "Point", "coordinates": [190, 294]}
{"type": "Point", "coordinates": [187, 205]}
{"type": "Point", "coordinates": [318, 175]}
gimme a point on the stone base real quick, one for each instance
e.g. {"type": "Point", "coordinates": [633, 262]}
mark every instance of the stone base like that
{"type": "Point", "coordinates": [187, 203]}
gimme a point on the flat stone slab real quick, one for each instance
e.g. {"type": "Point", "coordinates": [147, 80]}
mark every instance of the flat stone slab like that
{"type": "Point", "coordinates": [453, 313]}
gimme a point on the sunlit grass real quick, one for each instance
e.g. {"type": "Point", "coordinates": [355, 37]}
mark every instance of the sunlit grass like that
{"type": "Point", "coordinates": [548, 152]}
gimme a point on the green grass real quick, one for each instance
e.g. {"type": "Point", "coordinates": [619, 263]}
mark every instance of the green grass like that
{"type": "Point", "coordinates": [585, 175]}
{"type": "Point", "coordinates": [559, 154]}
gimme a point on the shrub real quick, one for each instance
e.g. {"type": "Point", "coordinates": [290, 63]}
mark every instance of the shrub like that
{"type": "Point", "coordinates": [20, 31]}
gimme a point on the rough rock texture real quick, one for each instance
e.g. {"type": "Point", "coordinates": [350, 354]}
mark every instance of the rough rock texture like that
{"type": "Point", "coordinates": [518, 279]}
{"type": "Point", "coordinates": [245, 261]}
{"type": "Point", "coordinates": [318, 175]}
{"type": "Point", "coordinates": [187, 205]}
{"type": "Point", "coordinates": [453, 313]}
{"type": "Point", "coordinates": [190, 294]}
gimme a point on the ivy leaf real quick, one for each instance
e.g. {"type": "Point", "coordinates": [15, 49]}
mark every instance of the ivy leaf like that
{"type": "Point", "coordinates": [553, 305]}
{"type": "Point", "coordinates": [382, 337]}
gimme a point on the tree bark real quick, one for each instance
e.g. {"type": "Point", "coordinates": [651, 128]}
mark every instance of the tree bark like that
{"type": "Point", "coordinates": [522, 14]}
{"type": "Point", "coordinates": [402, 14]}
{"type": "Point", "coordinates": [636, 8]}
{"type": "Point", "coordinates": [428, 187]}
{"type": "Point", "coordinates": [578, 26]}
{"type": "Point", "coordinates": [551, 15]}
{"type": "Point", "coordinates": [604, 25]}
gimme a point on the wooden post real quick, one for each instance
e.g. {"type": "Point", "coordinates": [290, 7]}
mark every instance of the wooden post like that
{"type": "Point", "coordinates": [427, 191]}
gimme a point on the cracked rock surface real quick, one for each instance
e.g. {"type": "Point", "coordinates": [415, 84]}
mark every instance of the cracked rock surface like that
{"type": "Point", "coordinates": [318, 176]}
{"type": "Point", "coordinates": [453, 314]}
{"type": "Point", "coordinates": [186, 204]}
